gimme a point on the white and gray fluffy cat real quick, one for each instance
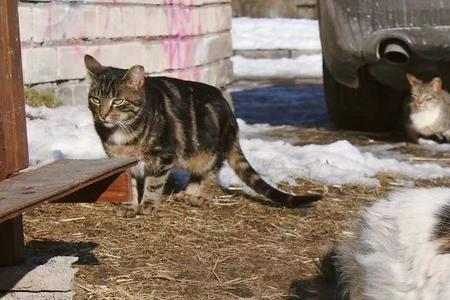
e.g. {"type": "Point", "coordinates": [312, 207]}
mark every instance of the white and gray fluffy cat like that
{"type": "Point", "coordinates": [401, 250]}
{"type": "Point", "coordinates": [429, 111]}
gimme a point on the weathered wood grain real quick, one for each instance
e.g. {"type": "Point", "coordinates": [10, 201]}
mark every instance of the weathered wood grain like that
{"type": "Point", "coordinates": [11, 241]}
{"type": "Point", "coordinates": [13, 136]}
{"type": "Point", "coordinates": [113, 189]}
{"type": "Point", "coordinates": [55, 181]}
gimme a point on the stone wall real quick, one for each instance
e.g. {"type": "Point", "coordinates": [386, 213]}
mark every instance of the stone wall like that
{"type": "Point", "coordinates": [275, 8]}
{"type": "Point", "coordinates": [188, 39]}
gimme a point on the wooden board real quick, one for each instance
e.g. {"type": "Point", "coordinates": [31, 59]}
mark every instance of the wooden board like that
{"type": "Point", "coordinates": [13, 135]}
{"type": "Point", "coordinates": [113, 189]}
{"type": "Point", "coordinates": [55, 181]}
{"type": "Point", "coordinates": [12, 249]}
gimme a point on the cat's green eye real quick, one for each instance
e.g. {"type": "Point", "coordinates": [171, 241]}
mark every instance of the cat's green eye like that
{"type": "Point", "coordinates": [118, 102]}
{"type": "Point", "coordinates": [94, 100]}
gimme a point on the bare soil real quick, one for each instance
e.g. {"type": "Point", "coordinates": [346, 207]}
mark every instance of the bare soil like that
{"type": "Point", "coordinates": [233, 247]}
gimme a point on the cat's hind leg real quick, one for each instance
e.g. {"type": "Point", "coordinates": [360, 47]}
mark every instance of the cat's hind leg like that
{"type": "Point", "coordinates": [197, 190]}
{"type": "Point", "coordinates": [203, 169]}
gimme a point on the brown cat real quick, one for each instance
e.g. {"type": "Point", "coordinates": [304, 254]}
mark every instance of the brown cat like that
{"type": "Point", "coordinates": [166, 123]}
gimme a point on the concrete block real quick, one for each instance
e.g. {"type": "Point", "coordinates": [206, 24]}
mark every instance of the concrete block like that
{"type": "Point", "coordinates": [53, 277]}
{"type": "Point", "coordinates": [218, 74]}
{"type": "Point", "coordinates": [70, 61]}
{"type": "Point", "coordinates": [130, 19]}
{"type": "Point", "coordinates": [211, 48]}
{"type": "Point", "coordinates": [128, 54]}
{"type": "Point", "coordinates": [155, 2]}
{"type": "Point", "coordinates": [54, 22]}
{"type": "Point", "coordinates": [108, 22]}
{"type": "Point", "coordinates": [42, 22]}
{"type": "Point", "coordinates": [194, 51]}
{"type": "Point", "coordinates": [39, 65]}
{"type": "Point", "coordinates": [154, 56]}
{"type": "Point", "coordinates": [154, 23]}
{"type": "Point", "coordinates": [26, 23]}
{"type": "Point", "coordinates": [215, 18]}
{"type": "Point", "coordinates": [78, 23]}
{"type": "Point", "coordinates": [121, 55]}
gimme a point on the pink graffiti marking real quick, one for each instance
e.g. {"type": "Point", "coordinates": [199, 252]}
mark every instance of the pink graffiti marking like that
{"type": "Point", "coordinates": [180, 49]}
{"type": "Point", "coordinates": [53, 23]}
{"type": "Point", "coordinates": [178, 46]}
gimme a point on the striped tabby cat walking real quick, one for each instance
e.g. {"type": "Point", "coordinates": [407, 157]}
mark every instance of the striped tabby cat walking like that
{"type": "Point", "coordinates": [167, 123]}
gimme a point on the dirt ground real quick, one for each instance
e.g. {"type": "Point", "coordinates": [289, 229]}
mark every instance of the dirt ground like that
{"type": "Point", "coordinates": [234, 247]}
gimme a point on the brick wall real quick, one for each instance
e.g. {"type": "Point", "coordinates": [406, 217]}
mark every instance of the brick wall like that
{"type": "Point", "coordinates": [188, 39]}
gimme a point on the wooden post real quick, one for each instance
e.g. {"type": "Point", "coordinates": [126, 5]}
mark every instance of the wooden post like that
{"type": "Point", "coordinates": [11, 241]}
{"type": "Point", "coordinates": [13, 136]}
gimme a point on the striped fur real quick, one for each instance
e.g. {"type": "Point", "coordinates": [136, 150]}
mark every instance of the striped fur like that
{"type": "Point", "coordinates": [166, 123]}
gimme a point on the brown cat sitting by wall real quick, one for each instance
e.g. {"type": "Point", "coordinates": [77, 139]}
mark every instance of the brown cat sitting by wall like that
{"type": "Point", "coordinates": [429, 111]}
{"type": "Point", "coordinates": [167, 123]}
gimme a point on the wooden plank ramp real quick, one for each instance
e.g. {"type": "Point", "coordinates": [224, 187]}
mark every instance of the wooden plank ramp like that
{"type": "Point", "coordinates": [61, 181]}
{"type": "Point", "coordinates": [58, 180]}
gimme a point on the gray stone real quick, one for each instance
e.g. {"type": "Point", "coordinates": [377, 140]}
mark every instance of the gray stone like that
{"type": "Point", "coordinates": [53, 277]}
{"type": "Point", "coordinates": [37, 296]}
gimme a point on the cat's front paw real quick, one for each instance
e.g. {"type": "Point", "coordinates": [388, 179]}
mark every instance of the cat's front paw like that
{"type": "Point", "coordinates": [127, 211]}
{"type": "Point", "coordinates": [422, 141]}
{"type": "Point", "coordinates": [148, 208]}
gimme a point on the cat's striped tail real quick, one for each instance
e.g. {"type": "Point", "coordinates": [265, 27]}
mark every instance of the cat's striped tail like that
{"type": "Point", "coordinates": [247, 174]}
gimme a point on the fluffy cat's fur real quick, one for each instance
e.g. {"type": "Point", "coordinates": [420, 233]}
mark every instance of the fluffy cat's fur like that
{"type": "Point", "coordinates": [428, 113]}
{"type": "Point", "coordinates": [401, 251]}
{"type": "Point", "coordinates": [166, 123]}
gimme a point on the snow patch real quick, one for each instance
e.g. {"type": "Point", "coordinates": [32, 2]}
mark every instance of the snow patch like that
{"type": "Point", "coordinates": [302, 66]}
{"type": "Point", "coordinates": [336, 163]}
{"type": "Point", "coordinates": [63, 132]}
{"type": "Point", "coordinates": [68, 132]}
{"type": "Point", "coordinates": [253, 33]}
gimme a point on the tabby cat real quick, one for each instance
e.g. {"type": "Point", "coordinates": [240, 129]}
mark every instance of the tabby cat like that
{"type": "Point", "coordinates": [429, 111]}
{"type": "Point", "coordinates": [167, 123]}
{"type": "Point", "coordinates": [401, 250]}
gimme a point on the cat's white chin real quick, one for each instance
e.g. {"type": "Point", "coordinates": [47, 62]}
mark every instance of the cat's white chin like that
{"type": "Point", "coordinates": [109, 125]}
{"type": "Point", "coordinates": [424, 118]}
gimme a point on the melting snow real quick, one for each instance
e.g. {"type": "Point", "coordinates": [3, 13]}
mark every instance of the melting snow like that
{"type": "Point", "coordinates": [68, 132]}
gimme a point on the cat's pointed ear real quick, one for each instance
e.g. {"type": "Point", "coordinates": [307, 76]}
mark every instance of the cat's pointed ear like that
{"type": "Point", "coordinates": [92, 65]}
{"type": "Point", "coordinates": [413, 80]}
{"type": "Point", "coordinates": [135, 77]}
{"type": "Point", "coordinates": [436, 84]}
